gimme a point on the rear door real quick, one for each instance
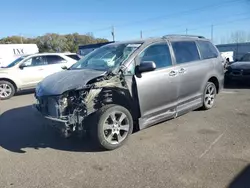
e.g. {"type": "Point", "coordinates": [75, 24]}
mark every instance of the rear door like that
{"type": "Point", "coordinates": [55, 64]}
{"type": "Point", "coordinates": [157, 90]}
{"type": "Point", "coordinates": [191, 70]}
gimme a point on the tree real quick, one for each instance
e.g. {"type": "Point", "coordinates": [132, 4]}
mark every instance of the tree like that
{"type": "Point", "coordinates": [237, 37]}
{"type": "Point", "coordinates": [52, 42]}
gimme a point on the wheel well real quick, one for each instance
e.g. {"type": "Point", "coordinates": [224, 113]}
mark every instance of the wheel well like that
{"type": "Point", "coordinates": [8, 80]}
{"type": "Point", "coordinates": [215, 81]}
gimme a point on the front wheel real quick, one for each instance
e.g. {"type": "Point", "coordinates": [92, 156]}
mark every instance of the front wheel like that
{"type": "Point", "coordinates": [209, 96]}
{"type": "Point", "coordinates": [112, 126]}
{"type": "Point", "coordinates": [7, 90]}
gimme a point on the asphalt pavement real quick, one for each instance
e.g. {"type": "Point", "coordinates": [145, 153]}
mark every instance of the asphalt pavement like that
{"type": "Point", "coordinates": [203, 149]}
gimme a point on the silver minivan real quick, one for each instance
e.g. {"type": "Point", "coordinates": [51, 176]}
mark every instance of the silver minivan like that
{"type": "Point", "coordinates": [144, 82]}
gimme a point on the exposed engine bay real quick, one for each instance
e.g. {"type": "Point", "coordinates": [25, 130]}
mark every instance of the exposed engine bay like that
{"type": "Point", "coordinates": [73, 106]}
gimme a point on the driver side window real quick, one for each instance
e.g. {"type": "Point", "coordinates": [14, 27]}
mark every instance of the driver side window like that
{"type": "Point", "coordinates": [35, 61]}
{"type": "Point", "coordinates": [159, 54]}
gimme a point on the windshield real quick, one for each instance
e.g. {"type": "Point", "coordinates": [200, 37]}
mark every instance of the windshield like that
{"type": "Point", "coordinates": [15, 62]}
{"type": "Point", "coordinates": [107, 57]}
{"type": "Point", "coordinates": [246, 57]}
{"type": "Point", "coordinates": [84, 52]}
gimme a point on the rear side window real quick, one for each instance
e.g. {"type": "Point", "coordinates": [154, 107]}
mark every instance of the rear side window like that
{"type": "Point", "coordinates": [207, 50]}
{"type": "Point", "coordinates": [185, 51]}
{"type": "Point", "coordinates": [75, 57]}
{"type": "Point", "coordinates": [159, 54]}
{"type": "Point", "coordinates": [54, 59]}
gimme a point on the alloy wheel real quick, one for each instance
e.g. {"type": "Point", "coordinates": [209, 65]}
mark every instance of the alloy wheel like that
{"type": "Point", "coordinates": [116, 127]}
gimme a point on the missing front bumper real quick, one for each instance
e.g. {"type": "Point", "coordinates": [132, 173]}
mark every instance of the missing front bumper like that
{"type": "Point", "coordinates": [36, 108]}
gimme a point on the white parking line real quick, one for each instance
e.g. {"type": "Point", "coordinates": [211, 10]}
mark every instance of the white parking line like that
{"type": "Point", "coordinates": [229, 92]}
{"type": "Point", "coordinates": [211, 145]}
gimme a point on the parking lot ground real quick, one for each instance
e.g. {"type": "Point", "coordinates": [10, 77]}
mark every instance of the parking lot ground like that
{"type": "Point", "coordinates": [204, 149]}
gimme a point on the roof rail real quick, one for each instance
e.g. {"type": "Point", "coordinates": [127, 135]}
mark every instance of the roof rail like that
{"type": "Point", "coordinates": [173, 35]}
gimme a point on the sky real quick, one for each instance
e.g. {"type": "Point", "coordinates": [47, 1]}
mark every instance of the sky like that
{"type": "Point", "coordinates": [31, 18]}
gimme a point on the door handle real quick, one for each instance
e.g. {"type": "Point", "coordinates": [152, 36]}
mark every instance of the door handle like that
{"type": "Point", "coordinates": [173, 73]}
{"type": "Point", "coordinates": [182, 70]}
{"type": "Point", "coordinates": [40, 69]}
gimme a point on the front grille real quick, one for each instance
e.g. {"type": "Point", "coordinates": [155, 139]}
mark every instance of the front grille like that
{"type": "Point", "coordinates": [49, 106]}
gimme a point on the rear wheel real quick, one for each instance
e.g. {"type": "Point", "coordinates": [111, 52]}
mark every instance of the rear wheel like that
{"type": "Point", "coordinates": [111, 126]}
{"type": "Point", "coordinates": [7, 90]}
{"type": "Point", "coordinates": [209, 96]}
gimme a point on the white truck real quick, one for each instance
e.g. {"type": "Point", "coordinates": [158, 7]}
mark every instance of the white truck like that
{"type": "Point", "coordinates": [10, 52]}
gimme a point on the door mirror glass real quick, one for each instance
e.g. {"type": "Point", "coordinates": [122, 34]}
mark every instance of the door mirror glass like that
{"type": "Point", "coordinates": [146, 66]}
{"type": "Point", "coordinates": [64, 67]}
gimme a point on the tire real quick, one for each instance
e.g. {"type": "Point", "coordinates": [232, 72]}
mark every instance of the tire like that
{"type": "Point", "coordinates": [102, 135]}
{"type": "Point", "coordinates": [209, 95]}
{"type": "Point", "coordinates": [7, 90]}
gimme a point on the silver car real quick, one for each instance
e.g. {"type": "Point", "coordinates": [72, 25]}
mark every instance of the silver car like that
{"type": "Point", "coordinates": [147, 82]}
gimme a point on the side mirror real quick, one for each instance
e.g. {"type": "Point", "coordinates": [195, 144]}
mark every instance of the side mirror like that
{"type": "Point", "coordinates": [22, 66]}
{"type": "Point", "coordinates": [64, 67]}
{"type": "Point", "coordinates": [146, 66]}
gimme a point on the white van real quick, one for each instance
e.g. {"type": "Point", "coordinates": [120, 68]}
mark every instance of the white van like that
{"type": "Point", "coordinates": [10, 52]}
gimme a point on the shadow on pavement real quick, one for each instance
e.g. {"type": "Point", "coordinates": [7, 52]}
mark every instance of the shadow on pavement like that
{"type": "Point", "coordinates": [22, 128]}
{"type": "Point", "coordinates": [242, 180]}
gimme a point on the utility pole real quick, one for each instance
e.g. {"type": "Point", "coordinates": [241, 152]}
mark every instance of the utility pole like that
{"type": "Point", "coordinates": [141, 34]}
{"type": "Point", "coordinates": [212, 33]}
{"type": "Point", "coordinates": [186, 31]}
{"type": "Point", "coordinates": [21, 38]}
{"type": "Point", "coordinates": [113, 33]}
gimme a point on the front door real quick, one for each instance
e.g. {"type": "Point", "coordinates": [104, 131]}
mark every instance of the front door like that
{"type": "Point", "coordinates": [32, 71]}
{"type": "Point", "coordinates": [157, 90]}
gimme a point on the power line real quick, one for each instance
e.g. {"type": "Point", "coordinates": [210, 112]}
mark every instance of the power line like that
{"type": "Point", "coordinates": [221, 23]}
{"type": "Point", "coordinates": [183, 25]}
{"type": "Point", "coordinates": [169, 16]}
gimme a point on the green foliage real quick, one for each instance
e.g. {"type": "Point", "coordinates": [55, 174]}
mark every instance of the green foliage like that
{"type": "Point", "coordinates": [52, 42]}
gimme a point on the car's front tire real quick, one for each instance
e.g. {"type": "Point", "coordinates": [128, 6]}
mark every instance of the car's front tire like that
{"type": "Point", "coordinates": [209, 96]}
{"type": "Point", "coordinates": [111, 126]}
{"type": "Point", "coordinates": [7, 90]}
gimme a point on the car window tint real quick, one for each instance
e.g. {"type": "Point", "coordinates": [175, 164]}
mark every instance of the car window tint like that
{"type": "Point", "coordinates": [35, 61]}
{"type": "Point", "coordinates": [75, 57]}
{"type": "Point", "coordinates": [185, 51]}
{"type": "Point", "coordinates": [245, 58]}
{"type": "Point", "coordinates": [159, 54]}
{"type": "Point", "coordinates": [54, 59]}
{"type": "Point", "coordinates": [207, 50]}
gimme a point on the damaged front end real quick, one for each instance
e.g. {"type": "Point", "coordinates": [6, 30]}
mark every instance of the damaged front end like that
{"type": "Point", "coordinates": [72, 107]}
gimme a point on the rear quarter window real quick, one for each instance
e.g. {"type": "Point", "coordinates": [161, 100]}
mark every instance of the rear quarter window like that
{"type": "Point", "coordinates": [75, 57]}
{"type": "Point", "coordinates": [207, 50]}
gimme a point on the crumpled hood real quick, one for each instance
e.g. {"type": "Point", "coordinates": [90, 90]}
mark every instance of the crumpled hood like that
{"type": "Point", "coordinates": [62, 81]}
{"type": "Point", "coordinates": [241, 65]}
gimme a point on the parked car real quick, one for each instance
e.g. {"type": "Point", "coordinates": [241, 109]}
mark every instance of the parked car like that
{"type": "Point", "coordinates": [26, 71]}
{"type": "Point", "coordinates": [239, 70]}
{"type": "Point", "coordinates": [150, 81]}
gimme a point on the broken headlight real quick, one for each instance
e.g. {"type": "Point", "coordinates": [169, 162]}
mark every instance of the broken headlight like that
{"type": "Point", "coordinates": [63, 102]}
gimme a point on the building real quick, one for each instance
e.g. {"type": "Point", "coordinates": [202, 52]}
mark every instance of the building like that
{"type": "Point", "coordinates": [239, 49]}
